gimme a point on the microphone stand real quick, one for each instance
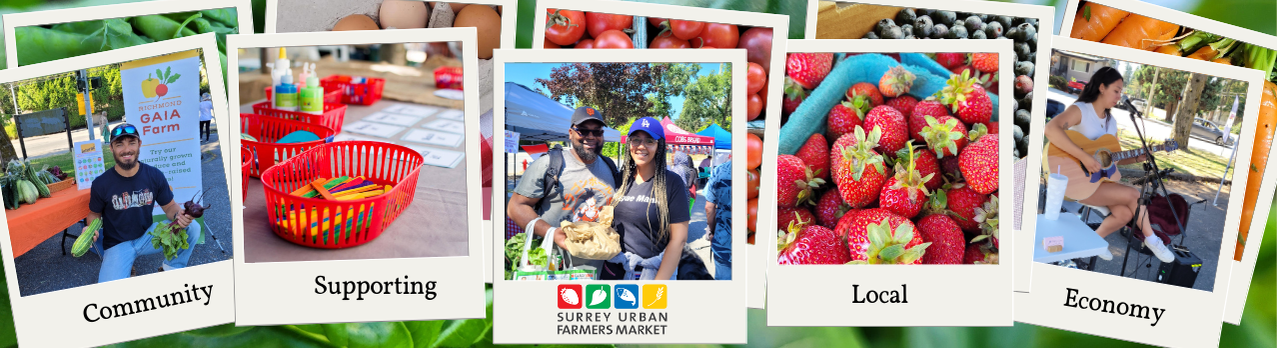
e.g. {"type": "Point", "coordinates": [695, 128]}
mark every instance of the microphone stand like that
{"type": "Point", "coordinates": [1145, 196]}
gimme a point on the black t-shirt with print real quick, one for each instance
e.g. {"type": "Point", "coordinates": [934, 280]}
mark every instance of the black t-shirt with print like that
{"type": "Point", "coordinates": [637, 219]}
{"type": "Point", "coordinates": [127, 203]}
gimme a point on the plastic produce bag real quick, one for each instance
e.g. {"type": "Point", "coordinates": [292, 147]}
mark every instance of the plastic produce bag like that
{"type": "Point", "coordinates": [593, 240]}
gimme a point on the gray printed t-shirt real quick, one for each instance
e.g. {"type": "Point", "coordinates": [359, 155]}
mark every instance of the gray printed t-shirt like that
{"type": "Point", "coordinates": [586, 189]}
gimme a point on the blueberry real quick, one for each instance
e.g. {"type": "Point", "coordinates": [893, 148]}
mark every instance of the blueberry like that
{"type": "Point", "coordinates": [1024, 68]}
{"type": "Point", "coordinates": [922, 27]}
{"type": "Point", "coordinates": [940, 31]}
{"type": "Point", "coordinates": [993, 29]}
{"type": "Point", "coordinates": [1028, 31]}
{"type": "Point", "coordinates": [907, 29]}
{"type": "Point", "coordinates": [973, 23]}
{"type": "Point", "coordinates": [906, 16]}
{"type": "Point", "coordinates": [893, 32]}
{"type": "Point", "coordinates": [883, 24]}
{"type": "Point", "coordinates": [978, 35]}
{"type": "Point", "coordinates": [1013, 33]}
{"type": "Point", "coordinates": [1004, 20]}
{"type": "Point", "coordinates": [945, 17]}
{"type": "Point", "coordinates": [1022, 51]}
{"type": "Point", "coordinates": [870, 35]}
{"type": "Point", "coordinates": [958, 33]}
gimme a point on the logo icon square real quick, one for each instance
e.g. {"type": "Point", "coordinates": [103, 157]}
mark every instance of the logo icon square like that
{"type": "Point", "coordinates": [654, 296]}
{"type": "Point", "coordinates": [627, 296]}
{"type": "Point", "coordinates": [597, 296]}
{"type": "Point", "coordinates": [569, 296]}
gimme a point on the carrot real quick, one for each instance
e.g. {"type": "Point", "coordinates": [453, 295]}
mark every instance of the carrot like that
{"type": "Point", "coordinates": [1224, 60]}
{"type": "Point", "coordinates": [1267, 121]}
{"type": "Point", "coordinates": [1140, 32]}
{"type": "Point", "coordinates": [1214, 50]}
{"type": "Point", "coordinates": [1094, 21]}
{"type": "Point", "coordinates": [1170, 49]}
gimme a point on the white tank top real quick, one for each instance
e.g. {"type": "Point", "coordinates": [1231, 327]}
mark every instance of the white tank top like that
{"type": "Point", "coordinates": [1092, 126]}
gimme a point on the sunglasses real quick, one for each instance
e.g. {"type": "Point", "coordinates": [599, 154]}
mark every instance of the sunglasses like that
{"type": "Point", "coordinates": [589, 132]}
{"type": "Point", "coordinates": [635, 141]}
{"type": "Point", "coordinates": [127, 129]}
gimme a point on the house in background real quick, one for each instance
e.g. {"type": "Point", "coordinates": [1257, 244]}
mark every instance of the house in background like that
{"type": "Point", "coordinates": [1075, 67]}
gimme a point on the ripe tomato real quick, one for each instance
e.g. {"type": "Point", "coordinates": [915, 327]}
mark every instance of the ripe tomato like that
{"type": "Point", "coordinates": [752, 185]}
{"type": "Point", "coordinates": [668, 41]}
{"type": "Point", "coordinates": [755, 107]}
{"type": "Point", "coordinates": [656, 22]}
{"type": "Point", "coordinates": [757, 78]}
{"type": "Point", "coordinates": [752, 210]}
{"type": "Point", "coordinates": [613, 39]}
{"type": "Point", "coordinates": [564, 27]}
{"type": "Point", "coordinates": [753, 151]}
{"type": "Point", "coordinates": [585, 44]}
{"type": "Point", "coordinates": [601, 22]}
{"type": "Point", "coordinates": [757, 43]}
{"type": "Point", "coordinates": [719, 35]}
{"type": "Point", "coordinates": [549, 44]}
{"type": "Point", "coordinates": [686, 30]}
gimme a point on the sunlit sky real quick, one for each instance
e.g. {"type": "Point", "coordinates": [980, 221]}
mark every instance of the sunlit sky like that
{"type": "Point", "coordinates": [527, 73]}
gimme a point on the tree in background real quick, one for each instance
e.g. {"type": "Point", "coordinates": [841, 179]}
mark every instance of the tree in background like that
{"type": "Point", "coordinates": [709, 100]}
{"type": "Point", "coordinates": [1167, 87]}
{"type": "Point", "coordinates": [620, 90]}
{"type": "Point", "coordinates": [1196, 84]}
{"type": "Point", "coordinates": [670, 80]}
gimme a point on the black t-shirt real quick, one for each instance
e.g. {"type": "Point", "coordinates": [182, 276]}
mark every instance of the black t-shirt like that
{"type": "Point", "coordinates": [126, 203]}
{"type": "Point", "coordinates": [637, 218]}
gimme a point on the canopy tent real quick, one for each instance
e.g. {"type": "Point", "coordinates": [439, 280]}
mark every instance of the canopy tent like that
{"type": "Point", "coordinates": [538, 118]}
{"type": "Point", "coordinates": [722, 138]}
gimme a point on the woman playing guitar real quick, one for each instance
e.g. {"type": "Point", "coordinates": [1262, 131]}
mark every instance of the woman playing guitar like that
{"type": "Point", "coordinates": [1091, 116]}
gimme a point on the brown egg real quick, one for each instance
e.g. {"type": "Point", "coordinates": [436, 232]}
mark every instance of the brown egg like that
{"type": "Point", "coordinates": [488, 25]}
{"type": "Point", "coordinates": [355, 22]}
{"type": "Point", "coordinates": [402, 14]}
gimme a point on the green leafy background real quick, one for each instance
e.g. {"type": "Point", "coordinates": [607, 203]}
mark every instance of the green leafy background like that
{"type": "Point", "coordinates": [1258, 329]}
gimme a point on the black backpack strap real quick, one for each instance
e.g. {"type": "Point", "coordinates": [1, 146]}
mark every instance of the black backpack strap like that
{"type": "Point", "coordinates": [551, 179]}
{"type": "Point", "coordinates": [611, 166]}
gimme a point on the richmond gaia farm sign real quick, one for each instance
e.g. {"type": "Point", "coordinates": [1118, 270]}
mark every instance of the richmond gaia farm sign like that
{"type": "Point", "coordinates": [162, 98]}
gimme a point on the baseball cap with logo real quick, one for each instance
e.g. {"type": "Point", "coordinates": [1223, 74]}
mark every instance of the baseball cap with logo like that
{"type": "Point", "coordinates": [586, 113]}
{"type": "Point", "coordinates": [649, 125]}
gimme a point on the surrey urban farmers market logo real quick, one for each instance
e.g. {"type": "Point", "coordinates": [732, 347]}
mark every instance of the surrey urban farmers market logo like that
{"type": "Point", "coordinates": [603, 296]}
{"type": "Point", "coordinates": [152, 88]}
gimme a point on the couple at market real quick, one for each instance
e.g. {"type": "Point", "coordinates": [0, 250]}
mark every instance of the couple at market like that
{"type": "Point", "coordinates": [651, 202]}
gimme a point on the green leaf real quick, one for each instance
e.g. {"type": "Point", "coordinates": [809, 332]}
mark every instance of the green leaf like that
{"type": "Point", "coordinates": [173, 78]}
{"type": "Point", "coordinates": [379, 334]}
{"type": "Point", "coordinates": [424, 333]}
{"type": "Point", "coordinates": [1086, 13]}
{"type": "Point", "coordinates": [337, 333]}
{"type": "Point", "coordinates": [892, 252]}
{"type": "Point", "coordinates": [462, 333]}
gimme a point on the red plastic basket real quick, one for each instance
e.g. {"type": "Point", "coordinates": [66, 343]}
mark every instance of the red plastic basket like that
{"type": "Point", "coordinates": [330, 97]}
{"type": "Point", "coordinates": [267, 130]}
{"type": "Point", "coordinates": [329, 224]}
{"type": "Point", "coordinates": [246, 165]}
{"type": "Point", "coordinates": [334, 115]}
{"type": "Point", "coordinates": [365, 93]}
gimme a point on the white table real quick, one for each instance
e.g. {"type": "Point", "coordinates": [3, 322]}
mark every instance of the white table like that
{"type": "Point", "coordinates": [1079, 239]}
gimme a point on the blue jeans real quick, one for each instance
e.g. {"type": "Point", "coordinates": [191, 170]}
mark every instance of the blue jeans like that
{"type": "Point", "coordinates": [117, 263]}
{"type": "Point", "coordinates": [722, 271]}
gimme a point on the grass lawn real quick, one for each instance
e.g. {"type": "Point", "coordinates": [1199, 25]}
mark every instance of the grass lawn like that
{"type": "Point", "coordinates": [1186, 160]}
{"type": "Point", "coordinates": [66, 162]}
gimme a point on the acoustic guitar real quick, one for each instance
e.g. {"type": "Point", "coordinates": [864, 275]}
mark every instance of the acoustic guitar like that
{"type": "Point", "coordinates": [1106, 150]}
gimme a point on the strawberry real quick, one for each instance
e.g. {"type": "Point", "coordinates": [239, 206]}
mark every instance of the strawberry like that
{"type": "Point", "coordinates": [812, 245]}
{"type": "Point", "coordinates": [945, 135]}
{"type": "Point", "coordinates": [793, 96]}
{"type": "Point", "coordinates": [917, 117]}
{"type": "Point", "coordinates": [795, 181]}
{"type": "Point", "coordinates": [947, 242]}
{"type": "Point", "coordinates": [865, 89]}
{"type": "Point", "coordinates": [794, 215]}
{"type": "Point", "coordinates": [950, 60]}
{"type": "Point", "coordinates": [985, 62]}
{"type": "Point", "coordinates": [962, 202]}
{"type": "Point", "coordinates": [904, 104]}
{"type": "Point", "coordinates": [987, 217]}
{"type": "Point", "coordinates": [857, 169]}
{"type": "Point", "coordinates": [975, 254]}
{"type": "Point", "coordinates": [949, 168]}
{"type": "Point", "coordinates": [831, 208]}
{"type": "Point", "coordinates": [992, 127]}
{"type": "Point", "coordinates": [979, 164]}
{"type": "Point", "coordinates": [894, 128]}
{"type": "Point", "coordinates": [895, 82]}
{"type": "Point", "coordinates": [926, 164]}
{"type": "Point", "coordinates": [967, 98]}
{"type": "Point", "coordinates": [844, 118]}
{"type": "Point", "coordinates": [877, 236]}
{"type": "Point", "coordinates": [905, 192]}
{"type": "Point", "coordinates": [808, 69]}
{"type": "Point", "coordinates": [815, 154]}
{"type": "Point", "coordinates": [958, 70]}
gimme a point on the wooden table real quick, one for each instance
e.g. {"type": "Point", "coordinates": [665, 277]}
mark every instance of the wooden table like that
{"type": "Point", "coordinates": [32, 224]}
{"type": "Point", "coordinates": [434, 225]}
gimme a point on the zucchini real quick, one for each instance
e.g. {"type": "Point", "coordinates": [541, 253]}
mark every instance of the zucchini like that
{"type": "Point", "coordinates": [85, 240]}
{"type": "Point", "coordinates": [35, 180]}
{"type": "Point", "coordinates": [26, 191]}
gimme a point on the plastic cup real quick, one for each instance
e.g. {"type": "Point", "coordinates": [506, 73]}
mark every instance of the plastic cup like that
{"type": "Point", "coordinates": [1055, 185]}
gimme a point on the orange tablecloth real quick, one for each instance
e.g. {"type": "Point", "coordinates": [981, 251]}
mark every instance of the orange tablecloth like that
{"type": "Point", "coordinates": [31, 224]}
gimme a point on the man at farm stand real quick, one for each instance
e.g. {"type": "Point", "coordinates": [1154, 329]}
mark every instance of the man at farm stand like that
{"type": "Point", "coordinates": [586, 183]}
{"type": "Point", "coordinates": [123, 197]}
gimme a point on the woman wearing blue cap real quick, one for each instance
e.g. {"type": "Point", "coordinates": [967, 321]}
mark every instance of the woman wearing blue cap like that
{"type": "Point", "coordinates": [651, 212]}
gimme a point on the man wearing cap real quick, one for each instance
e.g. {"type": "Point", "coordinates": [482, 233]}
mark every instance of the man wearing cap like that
{"type": "Point", "coordinates": [566, 185]}
{"type": "Point", "coordinates": [124, 197]}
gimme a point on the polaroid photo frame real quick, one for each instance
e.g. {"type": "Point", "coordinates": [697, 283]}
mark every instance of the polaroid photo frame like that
{"type": "Point", "coordinates": [286, 292]}
{"type": "Point", "coordinates": [1155, 313]}
{"type": "Point", "coordinates": [243, 11]}
{"type": "Point", "coordinates": [794, 290]}
{"type": "Point", "coordinates": [1045, 16]}
{"type": "Point", "coordinates": [775, 80]}
{"type": "Point", "coordinates": [484, 69]}
{"type": "Point", "coordinates": [708, 311]}
{"type": "Point", "coordinates": [1243, 270]}
{"type": "Point", "coordinates": [40, 319]}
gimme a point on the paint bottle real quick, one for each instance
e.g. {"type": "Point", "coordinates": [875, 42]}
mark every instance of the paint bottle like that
{"type": "Point", "coordinates": [312, 96]}
{"type": "Point", "coordinates": [302, 80]}
{"type": "Point", "coordinates": [286, 94]}
{"type": "Point", "coordinates": [282, 67]}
